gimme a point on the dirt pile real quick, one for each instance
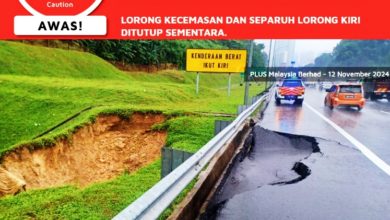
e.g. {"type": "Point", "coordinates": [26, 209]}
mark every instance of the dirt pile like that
{"type": "Point", "coordinates": [10, 184]}
{"type": "Point", "coordinates": [96, 152]}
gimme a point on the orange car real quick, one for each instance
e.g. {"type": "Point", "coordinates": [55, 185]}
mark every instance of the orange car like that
{"type": "Point", "coordinates": [345, 95]}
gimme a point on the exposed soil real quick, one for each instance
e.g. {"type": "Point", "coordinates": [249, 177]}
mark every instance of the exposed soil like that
{"type": "Point", "coordinates": [96, 152]}
{"type": "Point", "coordinates": [9, 183]}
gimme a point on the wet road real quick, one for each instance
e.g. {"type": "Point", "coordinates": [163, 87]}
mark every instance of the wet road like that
{"type": "Point", "coordinates": [371, 126]}
{"type": "Point", "coordinates": [339, 182]}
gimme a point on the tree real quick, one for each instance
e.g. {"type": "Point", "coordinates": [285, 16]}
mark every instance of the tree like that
{"type": "Point", "coordinates": [357, 53]}
{"type": "Point", "coordinates": [362, 53]}
{"type": "Point", "coordinates": [147, 52]}
{"type": "Point", "coordinates": [323, 60]}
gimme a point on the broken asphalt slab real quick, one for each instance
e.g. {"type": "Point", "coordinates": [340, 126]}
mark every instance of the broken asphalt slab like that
{"type": "Point", "coordinates": [286, 177]}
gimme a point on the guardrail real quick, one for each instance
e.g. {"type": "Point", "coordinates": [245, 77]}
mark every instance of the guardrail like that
{"type": "Point", "coordinates": [152, 203]}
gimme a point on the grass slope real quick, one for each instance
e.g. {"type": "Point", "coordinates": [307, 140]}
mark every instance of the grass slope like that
{"type": "Point", "coordinates": [41, 87]}
{"type": "Point", "coordinates": [22, 59]}
{"type": "Point", "coordinates": [79, 80]}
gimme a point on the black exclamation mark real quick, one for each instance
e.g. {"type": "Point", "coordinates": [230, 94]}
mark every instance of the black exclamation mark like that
{"type": "Point", "coordinates": [81, 25]}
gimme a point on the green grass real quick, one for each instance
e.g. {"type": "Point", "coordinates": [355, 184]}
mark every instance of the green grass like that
{"type": "Point", "coordinates": [22, 59]}
{"type": "Point", "coordinates": [63, 90]}
{"type": "Point", "coordinates": [99, 201]}
{"type": "Point", "coordinates": [105, 200]}
{"type": "Point", "coordinates": [169, 211]}
{"type": "Point", "coordinates": [24, 98]}
{"type": "Point", "coordinates": [41, 87]}
{"type": "Point", "coordinates": [189, 133]}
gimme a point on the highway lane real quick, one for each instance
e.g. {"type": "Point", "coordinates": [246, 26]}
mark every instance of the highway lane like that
{"type": "Point", "coordinates": [342, 183]}
{"type": "Point", "coordinates": [371, 126]}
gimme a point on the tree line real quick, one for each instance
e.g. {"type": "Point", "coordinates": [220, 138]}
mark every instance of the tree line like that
{"type": "Point", "coordinates": [356, 53]}
{"type": "Point", "coordinates": [153, 52]}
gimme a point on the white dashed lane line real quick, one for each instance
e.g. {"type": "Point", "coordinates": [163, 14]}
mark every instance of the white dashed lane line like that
{"type": "Point", "coordinates": [385, 112]}
{"type": "Point", "coordinates": [365, 150]}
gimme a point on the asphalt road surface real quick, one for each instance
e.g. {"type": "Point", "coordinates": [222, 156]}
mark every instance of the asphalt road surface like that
{"type": "Point", "coordinates": [341, 173]}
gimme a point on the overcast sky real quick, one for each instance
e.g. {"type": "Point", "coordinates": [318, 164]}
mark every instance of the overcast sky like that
{"type": "Point", "coordinates": [307, 50]}
{"type": "Point", "coordinates": [316, 46]}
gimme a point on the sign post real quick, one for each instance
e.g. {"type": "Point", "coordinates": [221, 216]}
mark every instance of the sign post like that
{"type": "Point", "coordinates": [197, 83]}
{"type": "Point", "coordinates": [246, 95]}
{"type": "Point", "coordinates": [269, 63]}
{"type": "Point", "coordinates": [229, 84]}
{"type": "Point", "coordinates": [215, 61]}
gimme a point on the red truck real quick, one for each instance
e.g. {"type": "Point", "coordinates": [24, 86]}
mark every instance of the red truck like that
{"type": "Point", "coordinates": [377, 89]}
{"type": "Point", "coordinates": [290, 89]}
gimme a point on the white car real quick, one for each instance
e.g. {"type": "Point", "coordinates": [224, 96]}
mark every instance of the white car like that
{"type": "Point", "coordinates": [310, 84]}
{"type": "Point", "coordinates": [326, 85]}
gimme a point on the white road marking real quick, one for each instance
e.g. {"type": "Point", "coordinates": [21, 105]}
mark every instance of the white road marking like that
{"type": "Point", "coordinates": [385, 112]}
{"type": "Point", "coordinates": [365, 150]}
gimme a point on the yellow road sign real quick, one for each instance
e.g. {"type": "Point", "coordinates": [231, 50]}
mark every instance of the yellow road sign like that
{"type": "Point", "coordinates": [216, 61]}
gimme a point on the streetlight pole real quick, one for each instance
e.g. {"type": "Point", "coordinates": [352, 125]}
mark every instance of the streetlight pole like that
{"type": "Point", "coordinates": [246, 95]}
{"type": "Point", "coordinates": [269, 63]}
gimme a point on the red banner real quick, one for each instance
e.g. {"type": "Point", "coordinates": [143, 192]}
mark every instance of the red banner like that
{"type": "Point", "coordinates": [173, 19]}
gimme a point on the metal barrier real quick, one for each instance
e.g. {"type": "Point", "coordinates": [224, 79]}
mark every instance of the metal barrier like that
{"type": "Point", "coordinates": [242, 108]}
{"type": "Point", "coordinates": [219, 125]}
{"type": "Point", "coordinates": [152, 203]}
{"type": "Point", "coordinates": [171, 159]}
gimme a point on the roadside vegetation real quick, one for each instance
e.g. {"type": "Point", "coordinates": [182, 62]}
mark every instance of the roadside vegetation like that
{"type": "Point", "coordinates": [41, 87]}
{"type": "Point", "coordinates": [98, 201]}
{"type": "Point", "coordinates": [62, 89]}
{"type": "Point", "coordinates": [149, 52]}
{"type": "Point", "coordinates": [356, 53]}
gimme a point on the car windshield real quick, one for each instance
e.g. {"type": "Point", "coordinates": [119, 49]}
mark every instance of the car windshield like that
{"type": "Point", "coordinates": [292, 83]}
{"type": "Point", "coordinates": [350, 89]}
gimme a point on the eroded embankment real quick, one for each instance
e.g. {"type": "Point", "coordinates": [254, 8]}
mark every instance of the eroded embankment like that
{"type": "Point", "coordinates": [97, 152]}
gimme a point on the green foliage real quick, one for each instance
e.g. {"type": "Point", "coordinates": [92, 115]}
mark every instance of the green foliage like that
{"type": "Point", "coordinates": [323, 60]}
{"type": "Point", "coordinates": [357, 53]}
{"type": "Point", "coordinates": [149, 52]}
{"type": "Point", "coordinates": [259, 57]}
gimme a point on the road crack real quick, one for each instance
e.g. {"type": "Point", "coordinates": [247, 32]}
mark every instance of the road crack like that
{"type": "Point", "coordinates": [268, 158]}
